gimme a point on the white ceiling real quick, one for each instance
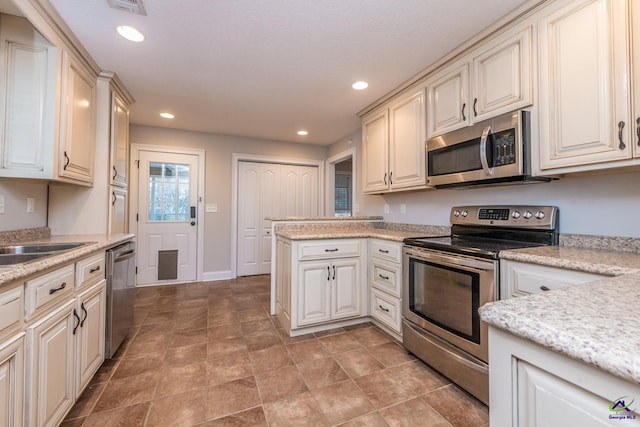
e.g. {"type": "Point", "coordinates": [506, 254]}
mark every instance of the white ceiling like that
{"type": "Point", "coordinates": [267, 68]}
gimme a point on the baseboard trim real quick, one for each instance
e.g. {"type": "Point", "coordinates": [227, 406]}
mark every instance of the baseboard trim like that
{"type": "Point", "coordinates": [212, 276]}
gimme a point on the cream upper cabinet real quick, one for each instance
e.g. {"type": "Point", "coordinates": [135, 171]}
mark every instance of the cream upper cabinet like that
{"type": "Point", "coordinates": [584, 110]}
{"type": "Point", "coordinates": [393, 145]}
{"type": "Point", "coordinates": [492, 79]}
{"type": "Point", "coordinates": [119, 141]}
{"type": "Point", "coordinates": [118, 223]}
{"type": "Point", "coordinates": [77, 130]}
{"type": "Point", "coordinates": [635, 30]}
{"type": "Point", "coordinates": [28, 100]}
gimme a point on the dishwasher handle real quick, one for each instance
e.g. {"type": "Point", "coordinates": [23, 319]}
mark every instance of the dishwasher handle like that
{"type": "Point", "coordinates": [125, 255]}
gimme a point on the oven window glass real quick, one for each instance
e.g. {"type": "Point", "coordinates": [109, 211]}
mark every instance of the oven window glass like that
{"type": "Point", "coordinates": [446, 296]}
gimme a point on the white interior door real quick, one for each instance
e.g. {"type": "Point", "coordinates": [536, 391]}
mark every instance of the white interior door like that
{"type": "Point", "coordinates": [167, 217]}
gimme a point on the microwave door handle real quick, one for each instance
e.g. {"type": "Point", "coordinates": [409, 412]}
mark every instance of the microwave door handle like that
{"type": "Point", "coordinates": [483, 152]}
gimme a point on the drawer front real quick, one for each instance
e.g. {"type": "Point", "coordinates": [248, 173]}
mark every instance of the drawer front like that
{"type": "Point", "coordinates": [90, 270]}
{"type": "Point", "coordinates": [386, 309]}
{"type": "Point", "coordinates": [48, 288]}
{"type": "Point", "coordinates": [525, 279]}
{"type": "Point", "coordinates": [385, 249]}
{"type": "Point", "coordinates": [11, 308]}
{"type": "Point", "coordinates": [386, 277]}
{"type": "Point", "coordinates": [329, 249]}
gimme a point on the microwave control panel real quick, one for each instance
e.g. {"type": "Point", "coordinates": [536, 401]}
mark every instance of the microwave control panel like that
{"type": "Point", "coordinates": [504, 147]}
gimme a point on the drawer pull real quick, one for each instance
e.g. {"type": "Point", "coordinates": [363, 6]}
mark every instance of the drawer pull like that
{"type": "Point", "coordinates": [59, 288]}
{"type": "Point", "coordinates": [383, 251]}
{"type": "Point", "coordinates": [75, 314]}
{"type": "Point", "coordinates": [383, 277]}
{"type": "Point", "coordinates": [544, 288]}
{"type": "Point", "coordinates": [382, 308]}
{"type": "Point", "coordinates": [93, 270]}
{"type": "Point", "coordinates": [331, 250]}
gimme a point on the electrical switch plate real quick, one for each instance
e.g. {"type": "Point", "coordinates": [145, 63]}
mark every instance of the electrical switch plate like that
{"type": "Point", "coordinates": [403, 208]}
{"type": "Point", "coordinates": [211, 208]}
{"type": "Point", "coordinates": [1, 203]}
{"type": "Point", "coordinates": [386, 208]}
{"type": "Point", "coordinates": [30, 204]}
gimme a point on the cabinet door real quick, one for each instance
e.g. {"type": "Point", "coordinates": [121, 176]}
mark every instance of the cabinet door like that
{"type": "Point", "coordinates": [502, 76]}
{"type": "Point", "coordinates": [345, 289]}
{"type": "Point", "coordinates": [27, 100]}
{"type": "Point", "coordinates": [50, 372]}
{"type": "Point", "coordinates": [91, 307]}
{"type": "Point", "coordinates": [407, 142]}
{"type": "Point", "coordinates": [77, 139]}
{"type": "Point", "coordinates": [375, 151]}
{"type": "Point", "coordinates": [119, 141]}
{"type": "Point", "coordinates": [283, 279]}
{"type": "Point", "coordinates": [12, 382]}
{"type": "Point", "coordinates": [118, 211]}
{"type": "Point", "coordinates": [635, 77]}
{"type": "Point", "coordinates": [584, 99]}
{"type": "Point", "coordinates": [314, 293]}
{"type": "Point", "coordinates": [448, 100]}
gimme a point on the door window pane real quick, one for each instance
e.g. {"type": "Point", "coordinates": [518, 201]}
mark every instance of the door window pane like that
{"type": "Point", "coordinates": [168, 192]}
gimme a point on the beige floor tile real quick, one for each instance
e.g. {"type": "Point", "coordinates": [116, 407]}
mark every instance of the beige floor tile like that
{"type": "Point", "coordinates": [130, 416]}
{"type": "Point", "coordinates": [340, 343]}
{"type": "Point", "coordinates": [180, 410]}
{"type": "Point", "coordinates": [369, 337]}
{"type": "Point", "coordinates": [414, 412]}
{"type": "Point", "coordinates": [296, 411]}
{"type": "Point", "coordinates": [218, 319]}
{"type": "Point", "coordinates": [106, 371]}
{"type": "Point", "coordinates": [318, 373]}
{"type": "Point", "coordinates": [253, 417]}
{"type": "Point", "coordinates": [250, 314]}
{"type": "Point", "coordinates": [358, 363]}
{"type": "Point", "coordinates": [219, 332]}
{"type": "Point", "coordinates": [373, 419]}
{"type": "Point", "coordinates": [228, 398]}
{"type": "Point", "coordinates": [384, 389]}
{"type": "Point", "coordinates": [229, 368]}
{"type": "Point", "coordinates": [257, 326]}
{"type": "Point", "coordinates": [86, 402]}
{"type": "Point", "coordinates": [261, 340]}
{"type": "Point", "coordinates": [280, 383]}
{"type": "Point", "coordinates": [418, 376]}
{"type": "Point", "coordinates": [186, 355]}
{"type": "Point", "coordinates": [181, 378]}
{"type": "Point", "coordinates": [139, 364]}
{"type": "Point", "coordinates": [342, 402]}
{"type": "Point", "coordinates": [305, 350]}
{"type": "Point", "coordinates": [189, 337]}
{"type": "Point", "coordinates": [226, 347]}
{"type": "Point", "coordinates": [128, 391]}
{"type": "Point", "coordinates": [270, 358]}
{"type": "Point", "coordinates": [391, 354]}
{"type": "Point", "coordinates": [458, 407]}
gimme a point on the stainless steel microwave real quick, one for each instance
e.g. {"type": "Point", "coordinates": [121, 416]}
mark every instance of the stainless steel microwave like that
{"type": "Point", "coordinates": [494, 151]}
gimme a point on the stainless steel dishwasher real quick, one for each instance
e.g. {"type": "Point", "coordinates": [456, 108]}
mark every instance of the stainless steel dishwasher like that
{"type": "Point", "coordinates": [121, 281]}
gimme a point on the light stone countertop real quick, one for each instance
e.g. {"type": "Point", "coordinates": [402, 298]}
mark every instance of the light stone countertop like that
{"type": "Point", "coordinates": [346, 233]}
{"type": "Point", "coordinates": [596, 323]}
{"type": "Point", "coordinates": [323, 218]}
{"type": "Point", "coordinates": [98, 242]}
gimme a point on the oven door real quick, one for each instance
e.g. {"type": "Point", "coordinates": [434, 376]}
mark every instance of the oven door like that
{"type": "Point", "coordinates": [442, 293]}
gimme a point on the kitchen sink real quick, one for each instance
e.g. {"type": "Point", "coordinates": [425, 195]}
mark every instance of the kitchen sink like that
{"type": "Point", "coordinates": [19, 254]}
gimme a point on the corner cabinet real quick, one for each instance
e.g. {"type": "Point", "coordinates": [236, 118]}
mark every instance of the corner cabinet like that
{"type": "Point", "coordinates": [586, 118]}
{"type": "Point", "coordinates": [324, 284]}
{"type": "Point", "coordinates": [494, 78]}
{"type": "Point", "coordinates": [393, 141]}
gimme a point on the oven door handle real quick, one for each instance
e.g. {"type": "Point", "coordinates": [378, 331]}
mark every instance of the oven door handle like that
{"type": "Point", "coordinates": [483, 152]}
{"type": "Point", "coordinates": [451, 261]}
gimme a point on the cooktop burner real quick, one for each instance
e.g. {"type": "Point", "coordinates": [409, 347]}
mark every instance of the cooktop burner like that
{"type": "Point", "coordinates": [484, 231]}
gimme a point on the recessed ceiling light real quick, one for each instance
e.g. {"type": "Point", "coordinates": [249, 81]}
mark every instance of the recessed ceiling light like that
{"type": "Point", "coordinates": [167, 115]}
{"type": "Point", "coordinates": [360, 85]}
{"type": "Point", "coordinates": [130, 33]}
{"type": "Point", "coordinates": [303, 132]}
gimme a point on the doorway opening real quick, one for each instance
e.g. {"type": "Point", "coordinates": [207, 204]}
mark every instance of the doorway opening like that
{"type": "Point", "coordinates": [341, 184]}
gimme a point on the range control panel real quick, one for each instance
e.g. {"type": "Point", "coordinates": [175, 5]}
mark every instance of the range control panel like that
{"type": "Point", "coordinates": [539, 217]}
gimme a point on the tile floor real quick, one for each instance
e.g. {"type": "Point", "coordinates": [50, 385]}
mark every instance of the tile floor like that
{"type": "Point", "coordinates": [208, 354]}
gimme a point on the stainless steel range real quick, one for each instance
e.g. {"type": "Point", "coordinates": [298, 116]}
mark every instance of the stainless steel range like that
{"type": "Point", "coordinates": [446, 279]}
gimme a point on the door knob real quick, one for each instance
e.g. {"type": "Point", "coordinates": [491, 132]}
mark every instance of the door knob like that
{"type": "Point", "coordinates": [193, 223]}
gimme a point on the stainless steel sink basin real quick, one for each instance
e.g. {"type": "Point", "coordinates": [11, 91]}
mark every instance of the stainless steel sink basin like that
{"type": "Point", "coordinates": [38, 248]}
{"type": "Point", "coordinates": [19, 254]}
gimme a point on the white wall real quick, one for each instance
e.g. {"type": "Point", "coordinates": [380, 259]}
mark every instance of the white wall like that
{"type": "Point", "coordinates": [603, 204]}
{"type": "Point", "coordinates": [15, 193]}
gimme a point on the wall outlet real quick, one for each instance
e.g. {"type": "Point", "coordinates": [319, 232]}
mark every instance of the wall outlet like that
{"type": "Point", "coordinates": [1, 203]}
{"type": "Point", "coordinates": [211, 208]}
{"type": "Point", "coordinates": [30, 204]}
{"type": "Point", "coordinates": [386, 208]}
{"type": "Point", "coordinates": [403, 208]}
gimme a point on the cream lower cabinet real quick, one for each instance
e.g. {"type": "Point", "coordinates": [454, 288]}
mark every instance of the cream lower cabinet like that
{"type": "Point", "coordinates": [531, 386]}
{"type": "Point", "coordinates": [12, 381]}
{"type": "Point", "coordinates": [385, 280]}
{"type": "Point", "coordinates": [520, 278]}
{"type": "Point", "coordinates": [324, 285]}
{"type": "Point", "coordinates": [90, 351]}
{"type": "Point", "coordinates": [585, 98]}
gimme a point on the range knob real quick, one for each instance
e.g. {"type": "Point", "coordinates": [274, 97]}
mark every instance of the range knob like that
{"type": "Point", "coordinates": [515, 215]}
{"type": "Point", "coordinates": [540, 215]}
{"type": "Point", "coordinates": [527, 214]}
{"type": "Point", "coordinates": [456, 213]}
{"type": "Point", "coordinates": [465, 214]}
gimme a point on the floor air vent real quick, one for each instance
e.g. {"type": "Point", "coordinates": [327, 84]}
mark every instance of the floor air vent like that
{"type": "Point", "coordinates": [133, 6]}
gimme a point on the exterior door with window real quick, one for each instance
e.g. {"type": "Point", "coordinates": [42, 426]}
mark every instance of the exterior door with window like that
{"type": "Point", "coordinates": [167, 217]}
